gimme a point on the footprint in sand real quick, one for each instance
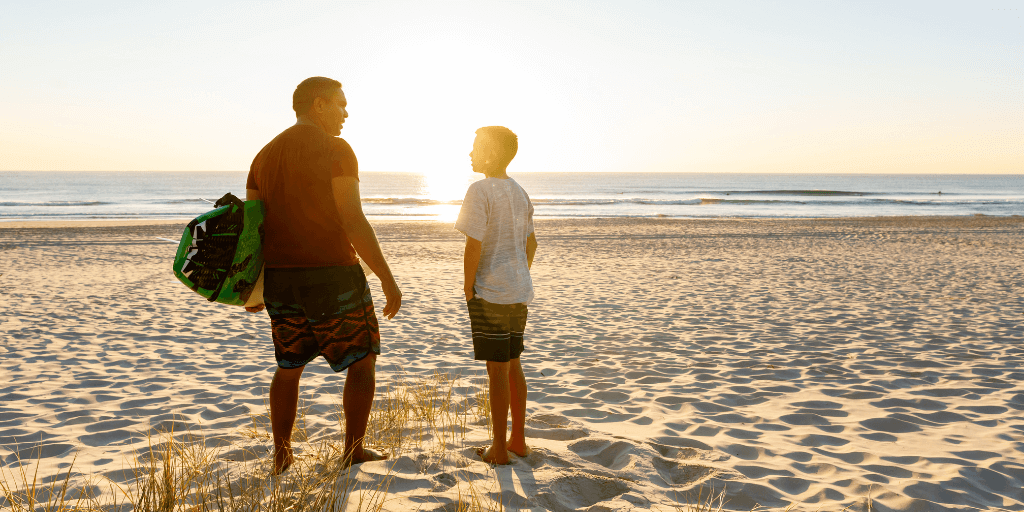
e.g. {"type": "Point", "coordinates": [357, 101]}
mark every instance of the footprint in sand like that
{"type": "Point", "coordinates": [614, 455]}
{"type": "Point", "coordinates": [678, 473]}
{"type": "Point", "coordinates": [578, 491]}
{"type": "Point", "coordinates": [549, 420]}
{"type": "Point", "coordinates": [539, 457]}
{"type": "Point", "coordinates": [674, 452]}
{"type": "Point", "coordinates": [443, 482]}
{"type": "Point", "coordinates": [553, 427]}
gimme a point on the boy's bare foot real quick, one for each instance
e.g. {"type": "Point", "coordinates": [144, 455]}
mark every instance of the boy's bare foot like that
{"type": "Point", "coordinates": [282, 461]}
{"type": "Point", "coordinates": [521, 450]}
{"type": "Point", "coordinates": [486, 455]}
{"type": "Point", "coordinates": [367, 455]}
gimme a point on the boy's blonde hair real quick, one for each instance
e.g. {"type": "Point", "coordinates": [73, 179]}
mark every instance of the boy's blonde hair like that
{"type": "Point", "coordinates": [504, 143]}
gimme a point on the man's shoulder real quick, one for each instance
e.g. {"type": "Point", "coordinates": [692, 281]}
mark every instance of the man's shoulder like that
{"type": "Point", "coordinates": [339, 142]}
{"type": "Point", "coordinates": [291, 135]}
{"type": "Point", "coordinates": [297, 139]}
{"type": "Point", "coordinates": [340, 147]}
{"type": "Point", "coordinates": [305, 133]}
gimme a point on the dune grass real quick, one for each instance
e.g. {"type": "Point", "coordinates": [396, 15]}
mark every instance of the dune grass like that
{"type": "Point", "coordinates": [182, 471]}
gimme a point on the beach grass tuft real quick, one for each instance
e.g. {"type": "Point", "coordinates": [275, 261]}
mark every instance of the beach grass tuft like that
{"type": "Point", "coordinates": [426, 418]}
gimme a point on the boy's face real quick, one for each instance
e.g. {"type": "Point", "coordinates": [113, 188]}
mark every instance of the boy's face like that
{"type": "Point", "coordinates": [481, 156]}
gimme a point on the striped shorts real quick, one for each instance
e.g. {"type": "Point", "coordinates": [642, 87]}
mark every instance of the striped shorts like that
{"type": "Point", "coordinates": [320, 311]}
{"type": "Point", "coordinates": [497, 330]}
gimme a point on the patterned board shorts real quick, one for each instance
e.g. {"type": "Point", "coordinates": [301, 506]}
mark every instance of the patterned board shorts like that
{"type": "Point", "coordinates": [497, 330]}
{"type": "Point", "coordinates": [320, 311]}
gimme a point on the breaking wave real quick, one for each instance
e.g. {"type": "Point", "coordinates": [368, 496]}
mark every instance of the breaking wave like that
{"type": "Point", "coordinates": [54, 203]}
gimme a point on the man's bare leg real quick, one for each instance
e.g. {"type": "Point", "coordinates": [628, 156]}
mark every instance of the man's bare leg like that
{"type": "Point", "coordinates": [498, 376]}
{"type": "Point", "coordinates": [517, 388]}
{"type": "Point", "coordinates": [284, 401]}
{"type": "Point", "coordinates": [357, 401]}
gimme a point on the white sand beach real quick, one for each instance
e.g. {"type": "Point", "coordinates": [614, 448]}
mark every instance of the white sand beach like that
{"type": "Point", "coordinates": [811, 364]}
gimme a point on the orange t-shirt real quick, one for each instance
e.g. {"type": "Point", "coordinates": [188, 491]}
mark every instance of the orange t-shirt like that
{"type": "Point", "coordinates": [293, 175]}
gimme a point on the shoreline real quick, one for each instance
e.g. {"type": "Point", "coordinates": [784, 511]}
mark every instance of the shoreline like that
{"type": "Point", "coordinates": [107, 223]}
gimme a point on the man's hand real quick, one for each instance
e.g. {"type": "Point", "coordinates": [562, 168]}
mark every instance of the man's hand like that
{"type": "Point", "coordinates": [468, 290]}
{"type": "Point", "coordinates": [394, 298]}
{"type": "Point", "coordinates": [364, 240]}
{"type": "Point", "coordinates": [255, 309]}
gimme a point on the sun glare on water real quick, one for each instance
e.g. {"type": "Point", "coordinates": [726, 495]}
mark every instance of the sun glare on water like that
{"type": "Point", "coordinates": [445, 190]}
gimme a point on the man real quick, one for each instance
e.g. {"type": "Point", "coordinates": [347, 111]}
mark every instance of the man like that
{"type": "Point", "coordinates": [497, 219]}
{"type": "Point", "coordinates": [314, 289]}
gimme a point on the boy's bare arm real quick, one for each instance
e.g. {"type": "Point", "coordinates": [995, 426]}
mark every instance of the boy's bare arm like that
{"type": "Point", "coordinates": [364, 240]}
{"type": "Point", "coordinates": [531, 249]}
{"type": "Point", "coordinates": [472, 261]}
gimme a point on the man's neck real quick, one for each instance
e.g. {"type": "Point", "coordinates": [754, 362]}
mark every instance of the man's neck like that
{"type": "Point", "coordinates": [306, 121]}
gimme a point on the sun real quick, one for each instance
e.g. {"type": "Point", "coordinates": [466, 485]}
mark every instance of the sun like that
{"type": "Point", "coordinates": [445, 190]}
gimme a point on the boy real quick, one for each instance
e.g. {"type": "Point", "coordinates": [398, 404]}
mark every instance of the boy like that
{"type": "Point", "coordinates": [497, 219]}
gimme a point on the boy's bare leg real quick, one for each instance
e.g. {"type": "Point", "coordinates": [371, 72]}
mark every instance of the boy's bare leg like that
{"type": "Point", "coordinates": [517, 388]}
{"type": "Point", "coordinates": [497, 376]}
{"type": "Point", "coordinates": [284, 400]}
{"type": "Point", "coordinates": [357, 401]}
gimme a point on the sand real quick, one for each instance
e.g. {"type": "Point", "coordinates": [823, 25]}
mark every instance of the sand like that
{"type": "Point", "coordinates": [817, 364]}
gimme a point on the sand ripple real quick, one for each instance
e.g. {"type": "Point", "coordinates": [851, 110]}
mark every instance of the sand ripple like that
{"type": "Point", "coordinates": [787, 362]}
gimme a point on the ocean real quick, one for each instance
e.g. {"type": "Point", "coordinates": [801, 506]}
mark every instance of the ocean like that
{"type": "Point", "coordinates": [183, 195]}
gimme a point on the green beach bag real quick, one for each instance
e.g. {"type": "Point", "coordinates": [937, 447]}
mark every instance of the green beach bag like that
{"type": "Point", "coordinates": [220, 255]}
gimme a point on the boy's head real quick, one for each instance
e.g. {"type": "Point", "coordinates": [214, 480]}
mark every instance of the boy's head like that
{"type": "Point", "coordinates": [493, 149]}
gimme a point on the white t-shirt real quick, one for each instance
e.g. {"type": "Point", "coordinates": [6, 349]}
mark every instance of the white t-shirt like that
{"type": "Point", "coordinates": [499, 214]}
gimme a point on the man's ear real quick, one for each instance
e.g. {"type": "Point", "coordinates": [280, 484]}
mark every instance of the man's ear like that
{"type": "Point", "coordinates": [318, 105]}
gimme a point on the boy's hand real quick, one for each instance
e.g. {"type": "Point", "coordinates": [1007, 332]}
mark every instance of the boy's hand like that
{"type": "Point", "coordinates": [255, 309]}
{"type": "Point", "coordinates": [472, 260]}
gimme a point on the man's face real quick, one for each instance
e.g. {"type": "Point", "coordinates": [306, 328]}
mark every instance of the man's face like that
{"type": "Point", "coordinates": [332, 112]}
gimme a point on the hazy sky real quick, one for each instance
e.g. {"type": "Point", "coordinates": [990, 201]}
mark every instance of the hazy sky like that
{"type": "Point", "coordinates": [817, 86]}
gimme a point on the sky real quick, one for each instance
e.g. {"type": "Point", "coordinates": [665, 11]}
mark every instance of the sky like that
{"type": "Point", "coordinates": [675, 86]}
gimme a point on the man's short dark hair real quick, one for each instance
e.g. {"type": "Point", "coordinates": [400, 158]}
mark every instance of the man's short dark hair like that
{"type": "Point", "coordinates": [502, 140]}
{"type": "Point", "coordinates": [310, 89]}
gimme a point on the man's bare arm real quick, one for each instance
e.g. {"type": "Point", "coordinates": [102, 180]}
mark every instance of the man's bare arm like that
{"type": "Point", "coordinates": [531, 249]}
{"type": "Point", "coordinates": [253, 195]}
{"type": "Point", "coordinates": [472, 260]}
{"type": "Point", "coordinates": [364, 240]}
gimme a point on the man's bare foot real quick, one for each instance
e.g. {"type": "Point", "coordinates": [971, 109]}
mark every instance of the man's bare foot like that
{"type": "Point", "coordinates": [367, 455]}
{"type": "Point", "coordinates": [521, 450]}
{"type": "Point", "coordinates": [486, 455]}
{"type": "Point", "coordinates": [282, 461]}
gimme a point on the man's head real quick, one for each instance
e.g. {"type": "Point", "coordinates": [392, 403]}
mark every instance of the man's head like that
{"type": "Point", "coordinates": [493, 149]}
{"type": "Point", "coordinates": [322, 102]}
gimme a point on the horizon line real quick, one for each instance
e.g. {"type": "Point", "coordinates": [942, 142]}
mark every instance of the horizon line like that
{"type": "Point", "coordinates": [1009, 173]}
